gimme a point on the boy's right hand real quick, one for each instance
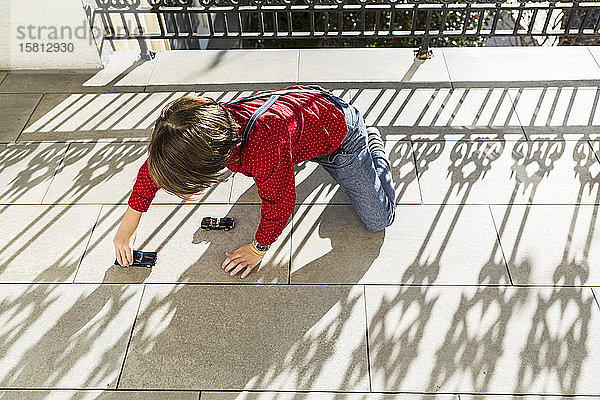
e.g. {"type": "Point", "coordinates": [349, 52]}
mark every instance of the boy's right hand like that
{"type": "Point", "coordinates": [123, 242]}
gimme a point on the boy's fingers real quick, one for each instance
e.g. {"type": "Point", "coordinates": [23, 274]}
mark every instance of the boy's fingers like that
{"type": "Point", "coordinates": [230, 265]}
{"type": "Point", "coordinates": [229, 260]}
{"type": "Point", "coordinates": [249, 269]}
{"type": "Point", "coordinates": [238, 269]}
{"type": "Point", "coordinates": [124, 261]}
{"type": "Point", "coordinates": [129, 254]}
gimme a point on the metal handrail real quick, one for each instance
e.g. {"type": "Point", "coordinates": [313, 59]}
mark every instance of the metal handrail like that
{"type": "Point", "coordinates": [576, 21]}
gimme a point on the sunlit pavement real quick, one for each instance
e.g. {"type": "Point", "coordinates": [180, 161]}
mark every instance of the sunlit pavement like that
{"type": "Point", "coordinates": [486, 285]}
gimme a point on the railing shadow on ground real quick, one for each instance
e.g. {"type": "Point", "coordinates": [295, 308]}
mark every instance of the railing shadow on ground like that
{"type": "Point", "coordinates": [476, 353]}
{"type": "Point", "coordinates": [483, 110]}
{"type": "Point", "coordinates": [300, 349]}
{"type": "Point", "coordinates": [312, 348]}
{"type": "Point", "coordinates": [113, 156]}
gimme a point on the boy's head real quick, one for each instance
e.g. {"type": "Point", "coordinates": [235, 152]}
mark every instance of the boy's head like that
{"type": "Point", "coordinates": [191, 145]}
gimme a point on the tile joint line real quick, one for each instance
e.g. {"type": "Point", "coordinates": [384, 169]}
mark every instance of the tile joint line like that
{"type": "Point", "coordinates": [367, 337]}
{"type": "Point", "coordinates": [30, 115]}
{"type": "Point", "coordinates": [130, 337]}
{"type": "Point", "coordinates": [58, 167]}
{"type": "Point", "coordinates": [101, 207]}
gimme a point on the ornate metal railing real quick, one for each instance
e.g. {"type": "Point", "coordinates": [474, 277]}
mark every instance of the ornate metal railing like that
{"type": "Point", "coordinates": [324, 19]}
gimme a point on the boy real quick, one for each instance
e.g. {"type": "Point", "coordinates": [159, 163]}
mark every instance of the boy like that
{"type": "Point", "coordinates": [263, 136]}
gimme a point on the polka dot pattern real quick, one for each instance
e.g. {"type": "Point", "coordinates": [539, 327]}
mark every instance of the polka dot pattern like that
{"type": "Point", "coordinates": [296, 128]}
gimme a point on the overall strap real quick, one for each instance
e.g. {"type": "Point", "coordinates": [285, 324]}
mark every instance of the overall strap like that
{"type": "Point", "coordinates": [256, 115]}
{"type": "Point", "coordinates": [273, 97]}
{"type": "Point", "coordinates": [316, 90]}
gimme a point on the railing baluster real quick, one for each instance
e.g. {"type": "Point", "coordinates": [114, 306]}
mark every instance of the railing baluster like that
{"type": "Point", "coordinates": [532, 22]}
{"type": "Point", "coordinates": [363, 11]}
{"type": "Point", "coordinates": [548, 17]}
{"type": "Point", "coordinates": [261, 22]}
{"type": "Point", "coordinates": [597, 24]}
{"type": "Point", "coordinates": [211, 26]}
{"type": "Point", "coordinates": [225, 24]}
{"type": "Point", "coordinates": [139, 24]}
{"type": "Point", "coordinates": [161, 22]}
{"type": "Point", "coordinates": [414, 19]}
{"type": "Point", "coordinates": [443, 21]}
{"type": "Point", "coordinates": [110, 27]}
{"type": "Point", "coordinates": [340, 20]}
{"type": "Point", "coordinates": [480, 21]}
{"type": "Point", "coordinates": [175, 27]}
{"type": "Point", "coordinates": [190, 25]}
{"type": "Point", "coordinates": [586, 16]}
{"type": "Point", "coordinates": [496, 17]}
{"type": "Point", "coordinates": [518, 21]}
{"type": "Point", "coordinates": [466, 20]}
{"type": "Point", "coordinates": [568, 21]}
{"type": "Point", "coordinates": [127, 33]}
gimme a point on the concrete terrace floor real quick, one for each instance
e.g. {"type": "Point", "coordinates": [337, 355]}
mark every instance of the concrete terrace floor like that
{"type": "Point", "coordinates": [485, 286]}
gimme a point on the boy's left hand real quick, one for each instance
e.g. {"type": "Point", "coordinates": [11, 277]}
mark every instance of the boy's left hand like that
{"type": "Point", "coordinates": [244, 257]}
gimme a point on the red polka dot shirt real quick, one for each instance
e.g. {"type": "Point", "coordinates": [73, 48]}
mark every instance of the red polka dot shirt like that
{"type": "Point", "coordinates": [296, 128]}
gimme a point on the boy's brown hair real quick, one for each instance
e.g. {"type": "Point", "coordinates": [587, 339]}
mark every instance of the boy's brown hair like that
{"type": "Point", "coordinates": [192, 142]}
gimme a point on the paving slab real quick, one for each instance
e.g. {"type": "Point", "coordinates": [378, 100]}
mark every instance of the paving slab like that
{"type": "Point", "coordinates": [186, 253]}
{"type": "Point", "coordinates": [518, 397]}
{"type": "Point", "coordinates": [26, 170]}
{"type": "Point", "coordinates": [96, 116]}
{"type": "Point", "coordinates": [64, 82]}
{"type": "Point", "coordinates": [369, 65]}
{"type": "Point", "coordinates": [123, 72]}
{"type": "Point", "coordinates": [96, 173]}
{"type": "Point", "coordinates": [221, 67]}
{"type": "Point", "coordinates": [43, 243]}
{"type": "Point", "coordinates": [483, 340]}
{"type": "Point", "coordinates": [550, 245]}
{"type": "Point", "coordinates": [3, 75]}
{"type": "Point", "coordinates": [314, 185]}
{"type": "Point", "coordinates": [15, 110]}
{"type": "Point", "coordinates": [249, 337]}
{"type": "Point", "coordinates": [96, 395]}
{"type": "Point", "coordinates": [417, 111]}
{"type": "Point", "coordinates": [502, 64]}
{"type": "Point", "coordinates": [426, 245]}
{"type": "Point", "coordinates": [508, 172]}
{"type": "Point", "coordinates": [595, 53]}
{"type": "Point", "coordinates": [317, 396]}
{"type": "Point", "coordinates": [105, 173]}
{"type": "Point", "coordinates": [65, 336]}
{"type": "Point", "coordinates": [124, 69]}
{"type": "Point", "coordinates": [565, 110]}
{"type": "Point", "coordinates": [45, 82]}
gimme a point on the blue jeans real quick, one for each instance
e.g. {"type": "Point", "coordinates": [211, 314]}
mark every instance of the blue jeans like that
{"type": "Point", "coordinates": [366, 176]}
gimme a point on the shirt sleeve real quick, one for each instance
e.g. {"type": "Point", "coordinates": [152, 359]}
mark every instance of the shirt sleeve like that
{"type": "Point", "coordinates": [277, 190]}
{"type": "Point", "coordinates": [143, 191]}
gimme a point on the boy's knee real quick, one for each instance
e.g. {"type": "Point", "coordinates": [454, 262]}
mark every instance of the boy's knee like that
{"type": "Point", "coordinates": [382, 223]}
